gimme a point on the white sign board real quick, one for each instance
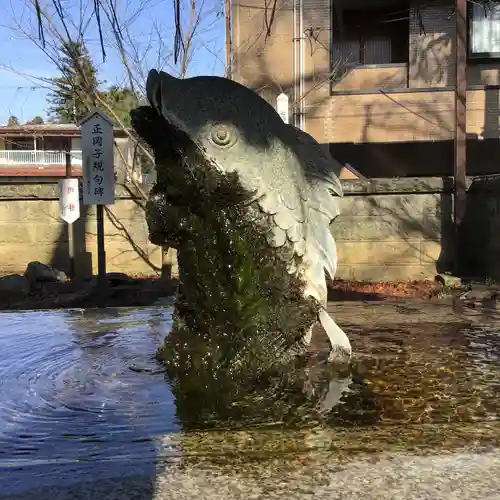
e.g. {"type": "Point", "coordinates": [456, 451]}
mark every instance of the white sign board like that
{"type": "Point", "coordinates": [98, 161]}
{"type": "Point", "coordinates": [282, 107]}
{"type": "Point", "coordinates": [69, 200]}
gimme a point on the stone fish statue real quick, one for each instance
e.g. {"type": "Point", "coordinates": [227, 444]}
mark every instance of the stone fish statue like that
{"type": "Point", "coordinates": [285, 169]}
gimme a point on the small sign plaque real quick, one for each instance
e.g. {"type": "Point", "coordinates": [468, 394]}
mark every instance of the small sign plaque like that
{"type": "Point", "coordinates": [69, 200]}
{"type": "Point", "coordinates": [282, 107]}
{"type": "Point", "coordinates": [98, 161]}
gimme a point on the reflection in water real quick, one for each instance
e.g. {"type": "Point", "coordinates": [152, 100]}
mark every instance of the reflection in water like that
{"type": "Point", "coordinates": [431, 373]}
{"type": "Point", "coordinates": [411, 374]}
{"type": "Point", "coordinates": [412, 387]}
{"type": "Point", "coordinates": [292, 396]}
{"type": "Point", "coordinates": [82, 395]}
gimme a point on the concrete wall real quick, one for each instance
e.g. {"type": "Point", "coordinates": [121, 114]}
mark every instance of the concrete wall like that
{"type": "Point", "coordinates": [30, 229]}
{"type": "Point", "coordinates": [393, 229]}
{"type": "Point", "coordinates": [389, 229]}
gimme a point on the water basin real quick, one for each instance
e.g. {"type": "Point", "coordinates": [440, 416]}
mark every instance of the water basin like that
{"type": "Point", "coordinates": [83, 402]}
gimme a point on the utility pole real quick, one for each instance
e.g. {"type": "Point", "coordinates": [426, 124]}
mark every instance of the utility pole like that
{"type": "Point", "coordinates": [460, 144]}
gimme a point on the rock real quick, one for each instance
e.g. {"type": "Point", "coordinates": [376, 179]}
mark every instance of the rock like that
{"type": "Point", "coordinates": [448, 280]}
{"type": "Point", "coordinates": [38, 272]}
{"type": "Point", "coordinates": [14, 286]}
{"type": "Point", "coordinates": [478, 295]}
{"type": "Point", "coordinates": [118, 279]}
{"type": "Point", "coordinates": [75, 298]}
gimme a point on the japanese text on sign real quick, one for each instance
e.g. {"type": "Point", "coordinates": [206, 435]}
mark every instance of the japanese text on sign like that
{"type": "Point", "coordinates": [97, 145]}
{"type": "Point", "coordinates": [69, 200]}
{"type": "Point", "coordinates": [97, 168]}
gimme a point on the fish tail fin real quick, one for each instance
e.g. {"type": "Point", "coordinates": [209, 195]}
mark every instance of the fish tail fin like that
{"type": "Point", "coordinates": [341, 346]}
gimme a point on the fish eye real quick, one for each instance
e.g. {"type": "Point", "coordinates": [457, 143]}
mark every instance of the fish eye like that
{"type": "Point", "coordinates": [221, 135]}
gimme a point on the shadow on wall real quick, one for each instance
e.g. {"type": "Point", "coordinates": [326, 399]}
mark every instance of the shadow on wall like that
{"type": "Point", "coordinates": [395, 229]}
{"type": "Point", "coordinates": [479, 239]}
{"type": "Point", "coordinates": [431, 221]}
{"type": "Point", "coordinates": [479, 236]}
{"type": "Point", "coordinates": [417, 159]}
{"type": "Point", "coordinates": [125, 233]}
{"type": "Point", "coordinates": [430, 61]}
{"type": "Point", "coordinates": [491, 128]}
{"type": "Point", "coordinates": [431, 46]}
{"type": "Point", "coordinates": [444, 263]}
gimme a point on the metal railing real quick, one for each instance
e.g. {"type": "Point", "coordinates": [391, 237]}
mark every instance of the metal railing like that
{"type": "Point", "coordinates": [16, 158]}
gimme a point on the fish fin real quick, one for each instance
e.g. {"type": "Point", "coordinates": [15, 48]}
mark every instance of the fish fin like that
{"type": "Point", "coordinates": [341, 346]}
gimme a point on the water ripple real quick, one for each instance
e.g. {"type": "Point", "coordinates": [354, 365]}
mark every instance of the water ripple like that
{"type": "Point", "coordinates": [67, 390]}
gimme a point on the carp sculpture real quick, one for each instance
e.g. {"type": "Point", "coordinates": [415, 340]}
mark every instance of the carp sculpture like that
{"type": "Point", "coordinates": [247, 201]}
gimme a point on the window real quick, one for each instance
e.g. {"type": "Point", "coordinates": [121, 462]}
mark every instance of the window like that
{"type": "Point", "coordinates": [370, 37]}
{"type": "Point", "coordinates": [484, 29]}
{"type": "Point", "coordinates": [22, 144]}
{"type": "Point", "coordinates": [56, 143]}
{"type": "Point", "coordinates": [363, 50]}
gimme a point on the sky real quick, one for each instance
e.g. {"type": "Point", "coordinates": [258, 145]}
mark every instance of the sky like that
{"type": "Point", "coordinates": [150, 24]}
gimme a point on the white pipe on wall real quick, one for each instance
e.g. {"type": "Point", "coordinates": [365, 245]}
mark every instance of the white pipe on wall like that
{"type": "Point", "coordinates": [295, 68]}
{"type": "Point", "coordinates": [302, 122]}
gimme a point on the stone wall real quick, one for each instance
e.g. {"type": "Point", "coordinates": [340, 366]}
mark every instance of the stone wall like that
{"type": "Point", "coordinates": [389, 229]}
{"type": "Point", "coordinates": [31, 229]}
{"type": "Point", "coordinates": [394, 229]}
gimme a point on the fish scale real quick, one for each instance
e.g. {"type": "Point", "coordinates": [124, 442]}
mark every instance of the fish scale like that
{"type": "Point", "coordinates": [289, 172]}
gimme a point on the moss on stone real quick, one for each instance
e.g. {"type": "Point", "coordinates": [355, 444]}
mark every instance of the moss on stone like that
{"type": "Point", "coordinates": [239, 316]}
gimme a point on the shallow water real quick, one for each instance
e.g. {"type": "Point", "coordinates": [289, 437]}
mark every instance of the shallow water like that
{"type": "Point", "coordinates": [82, 397]}
{"type": "Point", "coordinates": [68, 395]}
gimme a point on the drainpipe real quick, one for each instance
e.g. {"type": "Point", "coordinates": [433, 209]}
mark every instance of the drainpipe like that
{"type": "Point", "coordinates": [295, 68]}
{"type": "Point", "coordinates": [298, 64]}
{"type": "Point", "coordinates": [301, 66]}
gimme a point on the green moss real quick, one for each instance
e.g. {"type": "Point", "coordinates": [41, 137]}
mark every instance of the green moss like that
{"type": "Point", "coordinates": [239, 316]}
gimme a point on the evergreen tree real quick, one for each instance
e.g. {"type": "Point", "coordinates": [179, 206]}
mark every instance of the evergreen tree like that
{"type": "Point", "coordinates": [76, 88]}
{"type": "Point", "coordinates": [37, 120]}
{"type": "Point", "coordinates": [121, 101]}
{"type": "Point", "coordinates": [13, 121]}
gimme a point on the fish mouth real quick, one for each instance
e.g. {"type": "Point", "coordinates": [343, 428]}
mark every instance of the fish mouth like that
{"type": "Point", "coordinates": [175, 151]}
{"type": "Point", "coordinates": [157, 123]}
{"type": "Point", "coordinates": [166, 135]}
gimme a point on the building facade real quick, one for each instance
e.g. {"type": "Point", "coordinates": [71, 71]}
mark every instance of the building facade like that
{"type": "Point", "coordinates": [376, 79]}
{"type": "Point", "coordinates": [38, 152]}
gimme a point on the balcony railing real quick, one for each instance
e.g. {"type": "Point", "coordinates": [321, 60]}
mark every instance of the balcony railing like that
{"type": "Point", "coordinates": [38, 158]}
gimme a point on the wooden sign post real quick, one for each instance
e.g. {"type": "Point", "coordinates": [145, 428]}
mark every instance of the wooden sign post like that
{"type": "Point", "coordinates": [98, 176]}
